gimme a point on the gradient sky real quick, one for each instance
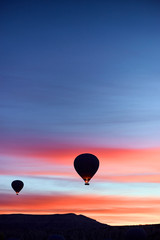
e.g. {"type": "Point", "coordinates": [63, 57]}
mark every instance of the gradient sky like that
{"type": "Point", "coordinates": [76, 77]}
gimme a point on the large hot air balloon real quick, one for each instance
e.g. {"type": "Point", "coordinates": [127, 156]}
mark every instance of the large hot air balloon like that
{"type": "Point", "coordinates": [86, 165]}
{"type": "Point", "coordinates": [17, 186]}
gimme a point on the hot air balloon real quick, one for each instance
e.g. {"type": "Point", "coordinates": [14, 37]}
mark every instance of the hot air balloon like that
{"type": "Point", "coordinates": [86, 165]}
{"type": "Point", "coordinates": [136, 233]}
{"type": "Point", "coordinates": [17, 186]}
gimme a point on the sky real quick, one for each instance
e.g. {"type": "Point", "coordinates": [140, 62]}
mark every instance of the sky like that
{"type": "Point", "coordinates": [81, 77]}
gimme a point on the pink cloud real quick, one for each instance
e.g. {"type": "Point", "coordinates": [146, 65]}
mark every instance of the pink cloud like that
{"type": "Point", "coordinates": [141, 178]}
{"type": "Point", "coordinates": [116, 165]}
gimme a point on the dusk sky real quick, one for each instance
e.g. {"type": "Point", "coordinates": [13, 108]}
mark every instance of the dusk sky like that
{"type": "Point", "coordinates": [81, 77]}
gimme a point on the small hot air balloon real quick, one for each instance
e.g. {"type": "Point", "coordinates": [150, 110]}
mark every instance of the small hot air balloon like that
{"type": "Point", "coordinates": [86, 165]}
{"type": "Point", "coordinates": [17, 186]}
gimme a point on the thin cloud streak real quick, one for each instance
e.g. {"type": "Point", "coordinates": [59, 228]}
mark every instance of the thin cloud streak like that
{"type": "Point", "coordinates": [116, 165]}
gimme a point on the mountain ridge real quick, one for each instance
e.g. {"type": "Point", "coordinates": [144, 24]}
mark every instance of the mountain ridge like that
{"type": "Point", "coordinates": [70, 225]}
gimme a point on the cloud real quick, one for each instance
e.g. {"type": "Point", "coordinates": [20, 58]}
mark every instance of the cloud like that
{"type": "Point", "coordinates": [89, 205]}
{"type": "Point", "coordinates": [132, 178]}
{"type": "Point", "coordinates": [116, 165]}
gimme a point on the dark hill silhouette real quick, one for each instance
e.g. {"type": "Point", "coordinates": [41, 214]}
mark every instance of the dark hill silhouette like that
{"type": "Point", "coordinates": [71, 226]}
{"type": "Point", "coordinates": [56, 221]}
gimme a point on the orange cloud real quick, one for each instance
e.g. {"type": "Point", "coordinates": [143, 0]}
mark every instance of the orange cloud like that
{"type": "Point", "coordinates": [110, 208]}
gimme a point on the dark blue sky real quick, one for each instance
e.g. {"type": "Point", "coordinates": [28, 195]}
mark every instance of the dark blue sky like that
{"type": "Point", "coordinates": [83, 71]}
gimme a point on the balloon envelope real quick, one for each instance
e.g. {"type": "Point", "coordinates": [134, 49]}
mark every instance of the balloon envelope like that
{"type": "Point", "coordinates": [86, 165]}
{"type": "Point", "coordinates": [17, 186]}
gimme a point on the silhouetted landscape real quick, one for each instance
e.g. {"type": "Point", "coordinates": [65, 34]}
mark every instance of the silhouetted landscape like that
{"type": "Point", "coordinates": [71, 226]}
